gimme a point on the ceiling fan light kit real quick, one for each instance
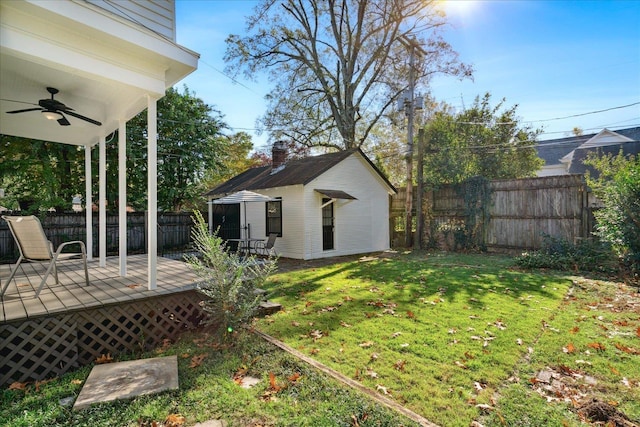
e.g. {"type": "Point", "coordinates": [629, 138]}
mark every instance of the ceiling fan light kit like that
{"type": "Point", "coordinates": [52, 115]}
{"type": "Point", "coordinates": [53, 110]}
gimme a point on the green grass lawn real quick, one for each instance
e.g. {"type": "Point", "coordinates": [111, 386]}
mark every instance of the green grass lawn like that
{"type": "Point", "coordinates": [456, 338]}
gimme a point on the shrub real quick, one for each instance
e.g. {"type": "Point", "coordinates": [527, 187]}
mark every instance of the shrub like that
{"type": "Point", "coordinates": [560, 254]}
{"type": "Point", "coordinates": [229, 281]}
{"type": "Point", "coordinates": [618, 221]}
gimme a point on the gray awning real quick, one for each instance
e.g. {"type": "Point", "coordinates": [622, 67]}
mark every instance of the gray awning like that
{"type": "Point", "coordinates": [336, 194]}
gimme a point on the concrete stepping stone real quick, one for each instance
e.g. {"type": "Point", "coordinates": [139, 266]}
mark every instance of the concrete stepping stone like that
{"type": "Point", "coordinates": [123, 380]}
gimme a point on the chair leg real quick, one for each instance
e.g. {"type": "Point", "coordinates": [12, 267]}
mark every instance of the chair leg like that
{"type": "Point", "coordinates": [84, 260]}
{"type": "Point", "coordinates": [52, 264]}
{"type": "Point", "coordinates": [13, 273]}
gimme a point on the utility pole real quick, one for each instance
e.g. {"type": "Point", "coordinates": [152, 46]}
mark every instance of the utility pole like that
{"type": "Point", "coordinates": [410, 107]}
{"type": "Point", "coordinates": [417, 242]}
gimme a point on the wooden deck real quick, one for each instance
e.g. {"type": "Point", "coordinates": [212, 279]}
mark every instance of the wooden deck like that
{"type": "Point", "coordinates": [106, 286]}
{"type": "Point", "coordinates": [70, 324]}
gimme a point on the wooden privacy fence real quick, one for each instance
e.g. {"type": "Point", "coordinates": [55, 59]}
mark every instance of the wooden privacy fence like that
{"type": "Point", "coordinates": [174, 232]}
{"type": "Point", "coordinates": [516, 214]}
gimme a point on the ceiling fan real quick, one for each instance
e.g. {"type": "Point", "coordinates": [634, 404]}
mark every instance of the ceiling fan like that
{"type": "Point", "coordinates": [53, 110]}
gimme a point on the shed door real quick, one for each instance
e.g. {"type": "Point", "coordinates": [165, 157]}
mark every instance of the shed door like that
{"type": "Point", "coordinates": [226, 219]}
{"type": "Point", "coordinates": [327, 225]}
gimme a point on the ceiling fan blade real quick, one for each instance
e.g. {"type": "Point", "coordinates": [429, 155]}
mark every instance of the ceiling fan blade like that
{"type": "Point", "coordinates": [24, 111]}
{"type": "Point", "coordinates": [78, 116]}
{"type": "Point", "coordinates": [63, 121]}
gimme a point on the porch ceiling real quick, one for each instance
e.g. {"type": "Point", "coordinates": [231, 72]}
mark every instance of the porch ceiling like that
{"type": "Point", "coordinates": [103, 65]}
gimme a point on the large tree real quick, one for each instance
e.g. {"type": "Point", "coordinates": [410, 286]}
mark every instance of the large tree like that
{"type": "Point", "coordinates": [338, 65]}
{"type": "Point", "coordinates": [483, 140]}
{"type": "Point", "coordinates": [190, 145]}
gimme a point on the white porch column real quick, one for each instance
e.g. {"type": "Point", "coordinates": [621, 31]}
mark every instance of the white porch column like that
{"type": "Point", "coordinates": [88, 201]}
{"type": "Point", "coordinates": [102, 203]}
{"type": "Point", "coordinates": [122, 196]}
{"type": "Point", "coordinates": [152, 192]}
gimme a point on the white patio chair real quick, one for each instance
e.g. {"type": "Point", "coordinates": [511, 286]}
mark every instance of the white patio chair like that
{"type": "Point", "coordinates": [266, 248]}
{"type": "Point", "coordinates": [35, 247]}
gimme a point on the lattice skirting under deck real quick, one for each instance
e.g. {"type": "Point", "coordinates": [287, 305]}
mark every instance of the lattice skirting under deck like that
{"type": "Point", "coordinates": [49, 346]}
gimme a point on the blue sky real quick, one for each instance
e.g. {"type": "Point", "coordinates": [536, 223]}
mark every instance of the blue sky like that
{"type": "Point", "coordinates": [552, 58]}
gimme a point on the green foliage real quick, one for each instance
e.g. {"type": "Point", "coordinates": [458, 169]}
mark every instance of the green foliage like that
{"type": "Point", "coordinates": [228, 280]}
{"type": "Point", "coordinates": [190, 145]}
{"type": "Point", "coordinates": [617, 185]}
{"type": "Point", "coordinates": [39, 175]}
{"type": "Point", "coordinates": [479, 141]}
{"type": "Point", "coordinates": [234, 159]}
{"type": "Point", "coordinates": [560, 254]}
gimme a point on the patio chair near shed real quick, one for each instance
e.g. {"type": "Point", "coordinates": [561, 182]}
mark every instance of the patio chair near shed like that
{"type": "Point", "coordinates": [35, 247]}
{"type": "Point", "coordinates": [267, 248]}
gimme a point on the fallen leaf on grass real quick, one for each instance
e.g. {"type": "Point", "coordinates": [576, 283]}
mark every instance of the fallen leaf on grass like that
{"type": "Point", "coordinates": [371, 373]}
{"type": "Point", "coordinates": [638, 332]}
{"type": "Point", "coordinates": [624, 348]}
{"type": "Point", "coordinates": [315, 334]}
{"type": "Point", "coordinates": [273, 384]}
{"type": "Point", "coordinates": [344, 324]}
{"type": "Point", "coordinates": [76, 382]}
{"type": "Point", "coordinates": [596, 346]}
{"type": "Point", "coordinates": [484, 407]}
{"type": "Point", "coordinates": [614, 370]}
{"type": "Point", "coordinates": [174, 420]}
{"type": "Point", "coordinates": [460, 364]}
{"type": "Point", "coordinates": [197, 360]}
{"type": "Point", "coordinates": [574, 330]}
{"type": "Point", "coordinates": [295, 377]}
{"type": "Point", "coordinates": [314, 351]}
{"type": "Point", "coordinates": [16, 385]}
{"type": "Point", "coordinates": [411, 315]}
{"type": "Point", "coordinates": [366, 344]}
{"type": "Point", "coordinates": [570, 348]}
{"type": "Point", "coordinates": [105, 358]}
{"type": "Point", "coordinates": [382, 389]}
{"type": "Point", "coordinates": [399, 365]}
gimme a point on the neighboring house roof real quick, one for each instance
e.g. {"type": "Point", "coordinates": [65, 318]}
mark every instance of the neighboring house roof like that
{"type": "Point", "coordinates": [552, 150]}
{"type": "Point", "coordinates": [294, 172]}
{"type": "Point", "coordinates": [578, 167]}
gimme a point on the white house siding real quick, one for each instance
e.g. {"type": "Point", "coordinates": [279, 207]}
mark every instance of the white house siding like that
{"type": "Point", "coordinates": [292, 242]}
{"type": "Point", "coordinates": [552, 170]}
{"type": "Point", "coordinates": [360, 225]}
{"type": "Point", "coordinates": [156, 15]}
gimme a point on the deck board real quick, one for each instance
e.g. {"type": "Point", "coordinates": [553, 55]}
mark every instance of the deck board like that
{"type": "Point", "coordinates": [106, 286]}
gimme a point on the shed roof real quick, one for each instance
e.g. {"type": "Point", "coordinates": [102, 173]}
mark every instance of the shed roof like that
{"type": "Point", "coordinates": [295, 172]}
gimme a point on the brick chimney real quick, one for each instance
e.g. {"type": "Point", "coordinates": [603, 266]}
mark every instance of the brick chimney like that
{"type": "Point", "coordinates": [278, 154]}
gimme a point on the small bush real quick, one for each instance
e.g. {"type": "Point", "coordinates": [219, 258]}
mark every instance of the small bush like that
{"type": "Point", "coordinates": [560, 254]}
{"type": "Point", "coordinates": [228, 281]}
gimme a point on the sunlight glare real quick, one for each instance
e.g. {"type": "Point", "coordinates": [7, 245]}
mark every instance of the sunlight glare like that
{"type": "Point", "coordinates": [459, 7]}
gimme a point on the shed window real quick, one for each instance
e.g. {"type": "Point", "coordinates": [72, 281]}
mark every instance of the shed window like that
{"type": "Point", "coordinates": [274, 217]}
